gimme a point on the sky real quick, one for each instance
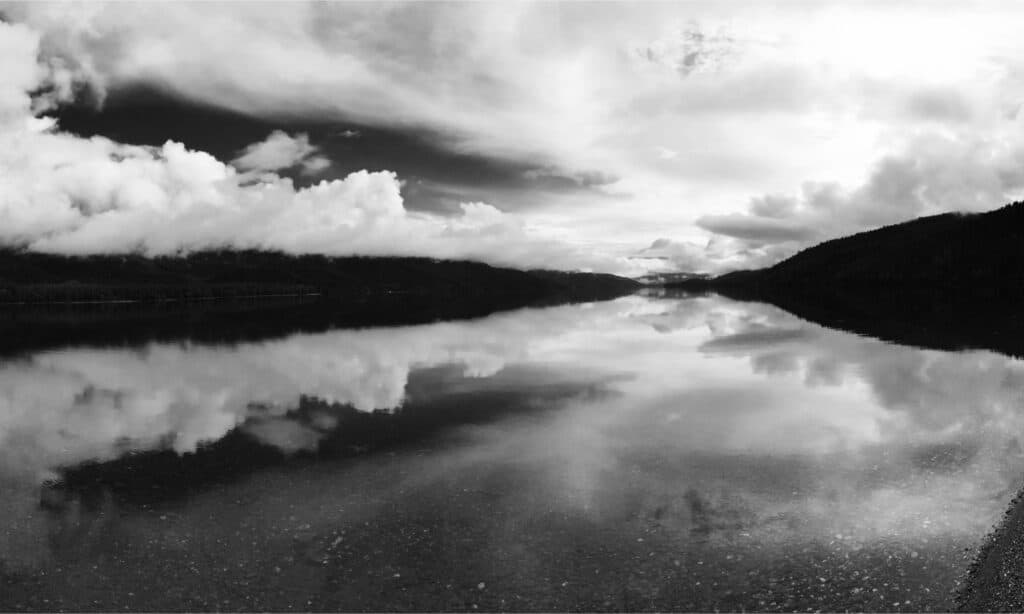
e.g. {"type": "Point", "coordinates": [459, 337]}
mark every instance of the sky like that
{"type": "Point", "coordinates": [691, 136]}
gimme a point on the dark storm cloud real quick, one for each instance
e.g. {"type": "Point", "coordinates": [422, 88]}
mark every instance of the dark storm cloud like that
{"type": "Point", "coordinates": [436, 178]}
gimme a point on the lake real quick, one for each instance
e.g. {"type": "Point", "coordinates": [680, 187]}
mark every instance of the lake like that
{"type": "Point", "coordinates": [644, 453]}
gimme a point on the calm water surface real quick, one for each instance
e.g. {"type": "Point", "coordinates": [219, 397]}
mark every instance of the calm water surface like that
{"type": "Point", "coordinates": [643, 453]}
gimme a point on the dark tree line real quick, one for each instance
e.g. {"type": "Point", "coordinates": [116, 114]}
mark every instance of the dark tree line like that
{"type": "Point", "coordinates": [33, 277]}
{"type": "Point", "coordinates": [951, 250]}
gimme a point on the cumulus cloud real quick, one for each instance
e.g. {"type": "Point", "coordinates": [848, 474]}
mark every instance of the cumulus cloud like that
{"type": "Point", "coordinates": [64, 194]}
{"type": "Point", "coordinates": [719, 254]}
{"type": "Point", "coordinates": [314, 164]}
{"type": "Point", "coordinates": [280, 151]}
{"type": "Point", "coordinates": [682, 255]}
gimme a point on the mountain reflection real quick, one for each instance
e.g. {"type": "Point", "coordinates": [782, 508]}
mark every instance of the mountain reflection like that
{"type": "Point", "coordinates": [725, 442]}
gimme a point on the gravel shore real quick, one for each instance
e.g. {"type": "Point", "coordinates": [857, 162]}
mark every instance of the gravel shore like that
{"type": "Point", "coordinates": [995, 581]}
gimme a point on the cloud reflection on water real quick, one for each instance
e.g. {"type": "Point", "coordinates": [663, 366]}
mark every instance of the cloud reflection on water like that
{"type": "Point", "coordinates": [731, 428]}
{"type": "Point", "coordinates": [81, 404]}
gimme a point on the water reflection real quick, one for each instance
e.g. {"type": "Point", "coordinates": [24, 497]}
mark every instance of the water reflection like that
{"type": "Point", "coordinates": [642, 453]}
{"type": "Point", "coordinates": [63, 407]}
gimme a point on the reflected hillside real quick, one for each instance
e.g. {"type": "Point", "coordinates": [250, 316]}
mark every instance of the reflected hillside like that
{"type": "Point", "coordinates": [38, 327]}
{"type": "Point", "coordinates": [48, 300]}
{"type": "Point", "coordinates": [936, 318]}
{"type": "Point", "coordinates": [947, 281]}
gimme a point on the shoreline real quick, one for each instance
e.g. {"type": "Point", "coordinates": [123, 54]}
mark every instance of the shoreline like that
{"type": "Point", "coordinates": [994, 582]}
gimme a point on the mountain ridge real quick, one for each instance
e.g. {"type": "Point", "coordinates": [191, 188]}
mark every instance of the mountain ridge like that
{"type": "Point", "coordinates": [948, 282]}
{"type": "Point", "coordinates": [946, 249]}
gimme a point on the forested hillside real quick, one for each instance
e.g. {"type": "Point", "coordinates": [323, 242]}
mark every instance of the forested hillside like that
{"type": "Point", "coordinates": [36, 278]}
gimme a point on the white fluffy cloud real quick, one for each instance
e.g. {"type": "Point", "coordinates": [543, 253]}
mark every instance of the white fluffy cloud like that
{"type": "Point", "coordinates": [281, 151]}
{"type": "Point", "coordinates": [65, 194]}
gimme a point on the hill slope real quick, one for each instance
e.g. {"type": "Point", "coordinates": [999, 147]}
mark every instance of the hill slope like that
{"type": "Point", "coordinates": [949, 250]}
{"type": "Point", "coordinates": [951, 281]}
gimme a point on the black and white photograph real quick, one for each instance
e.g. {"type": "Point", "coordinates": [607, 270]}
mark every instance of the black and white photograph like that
{"type": "Point", "coordinates": [506, 306]}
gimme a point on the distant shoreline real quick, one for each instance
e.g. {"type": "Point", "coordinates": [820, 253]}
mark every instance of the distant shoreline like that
{"type": "Point", "coordinates": [227, 297]}
{"type": "Point", "coordinates": [191, 299]}
{"type": "Point", "coordinates": [30, 278]}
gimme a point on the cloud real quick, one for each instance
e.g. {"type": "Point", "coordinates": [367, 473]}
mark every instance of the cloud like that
{"type": "Point", "coordinates": [280, 151]}
{"type": "Point", "coordinates": [775, 206]}
{"type": "Point", "coordinates": [682, 255]}
{"type": "Point", "coordinates": [562, 86]}
{"type": "Point", "coordinates": [691, 50]}
{"type": "Point", "coordinates": [935, 174]}
{"type": "Point", "coordinates": [666, 154]}
{"type": "Point", "coordinates": [315, 164]}
{"type": "Point", "coordinates": [940, 104]}
{"type": "Point", "coordinates": [753, 101]}
{"type": "Point", "coordinates": [754, 228]}
{"type": "Point", "coordinates": [60, 193]}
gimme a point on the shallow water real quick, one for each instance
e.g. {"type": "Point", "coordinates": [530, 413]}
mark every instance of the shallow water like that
{"type": "Point", "coordinates": [642, 453]}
